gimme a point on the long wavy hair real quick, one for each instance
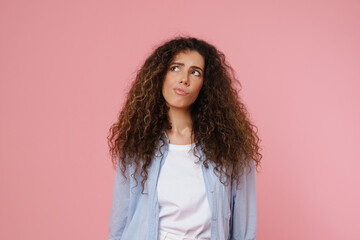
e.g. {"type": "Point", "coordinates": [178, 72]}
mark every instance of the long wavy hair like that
{"type": "Point", "coordinates": [221, 124]}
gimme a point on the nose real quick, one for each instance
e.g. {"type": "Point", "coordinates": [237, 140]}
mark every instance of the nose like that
{"type": "Point", "coordinates": [185, 79]}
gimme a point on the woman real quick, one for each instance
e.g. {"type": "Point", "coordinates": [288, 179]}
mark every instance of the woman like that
{"type": "Point", "coordinates": [184, 150]}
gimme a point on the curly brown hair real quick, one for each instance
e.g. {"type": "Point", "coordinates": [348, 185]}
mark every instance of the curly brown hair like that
{"type": "Point", "coordinates": [221, 125]}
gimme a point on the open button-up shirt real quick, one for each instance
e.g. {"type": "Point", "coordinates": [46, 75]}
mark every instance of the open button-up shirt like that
{"type": "Point", "coordinates": [135, 215]}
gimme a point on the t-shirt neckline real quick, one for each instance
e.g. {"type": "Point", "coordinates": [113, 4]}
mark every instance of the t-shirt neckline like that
{"type": "Point", "coordinates": [181, 147]}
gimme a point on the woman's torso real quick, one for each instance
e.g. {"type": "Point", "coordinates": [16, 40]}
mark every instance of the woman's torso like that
{"type": "Point", "coordinates": [143, 213]}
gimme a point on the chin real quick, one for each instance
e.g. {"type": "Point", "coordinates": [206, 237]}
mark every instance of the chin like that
{"type": "Point", "coordinates": [184, 107]}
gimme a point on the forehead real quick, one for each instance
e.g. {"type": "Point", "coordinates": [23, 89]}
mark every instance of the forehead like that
{"type": "Point", "coordinates": [190, 57]}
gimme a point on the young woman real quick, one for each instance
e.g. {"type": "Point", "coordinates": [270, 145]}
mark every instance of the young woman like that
{"type": "Point", "coordinates": [184, 150]}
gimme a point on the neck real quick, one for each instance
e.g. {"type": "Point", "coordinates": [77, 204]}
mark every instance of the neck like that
{"type": "Point", "coordinates": [180, 119]}
{"type": "Point", "coordinates": [181, 126]}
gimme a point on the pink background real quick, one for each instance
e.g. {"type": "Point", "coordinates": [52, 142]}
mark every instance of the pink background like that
{"type": "Point", "coordinates": [66, 65]}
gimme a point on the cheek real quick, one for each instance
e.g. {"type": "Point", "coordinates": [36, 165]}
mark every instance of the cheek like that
{"type": "Point", "coordinates": [165, 85]}
{"type": "Point", "coordinates": [168, 81]}
{"type": "Point", "coordinates": [198, 87]}
{"type": "Point", "coordinates": [166, 89]}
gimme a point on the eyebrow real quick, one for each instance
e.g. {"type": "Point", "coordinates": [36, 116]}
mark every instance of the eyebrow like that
{"type": "Point", "coordinates": [182, 64]}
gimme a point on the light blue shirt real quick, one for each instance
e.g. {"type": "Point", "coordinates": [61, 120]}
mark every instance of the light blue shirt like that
{"type": "Point", "coordinates": [135, 216]}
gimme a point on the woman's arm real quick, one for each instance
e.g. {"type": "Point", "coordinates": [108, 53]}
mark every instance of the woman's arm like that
{"type": "Point", "coordinates": [244, 219]}
{"type": "Point", "coordinates": [120, 205]}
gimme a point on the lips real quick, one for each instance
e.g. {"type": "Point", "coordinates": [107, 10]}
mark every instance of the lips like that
{"type": "Point", "coordinates": [180, 91]}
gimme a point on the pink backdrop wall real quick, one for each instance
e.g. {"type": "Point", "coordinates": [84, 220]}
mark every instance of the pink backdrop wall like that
{"type": "Point", "coordinates": [64, 69]}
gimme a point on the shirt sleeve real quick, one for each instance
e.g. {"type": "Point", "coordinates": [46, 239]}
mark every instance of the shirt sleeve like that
{"type": "Point", "coordinates": [120, 205]}
{"type": "Point", "coordinates": [244, 218]}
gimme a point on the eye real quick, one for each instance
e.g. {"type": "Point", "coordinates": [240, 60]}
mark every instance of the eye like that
{"type": "Point", "coordinates": [196, 73]}
{"type": "Point", "coordinates": [174, 68]}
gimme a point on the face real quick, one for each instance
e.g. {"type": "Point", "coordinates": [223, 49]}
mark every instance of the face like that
{"type": "Point", "coordinates": [183, 80]}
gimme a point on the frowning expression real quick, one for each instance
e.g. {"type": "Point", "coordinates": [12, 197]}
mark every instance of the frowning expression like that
{"type": "Point", "coordinates": [183, 79]}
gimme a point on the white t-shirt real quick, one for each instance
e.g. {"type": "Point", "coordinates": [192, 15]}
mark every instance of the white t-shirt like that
{"type": "Point", "coordinates": [184, 207]}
